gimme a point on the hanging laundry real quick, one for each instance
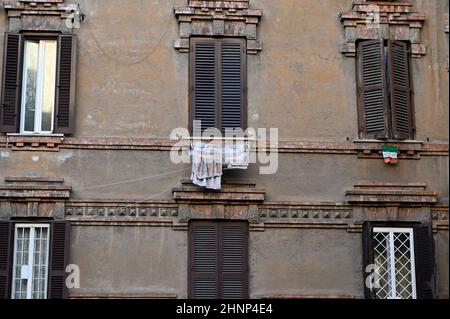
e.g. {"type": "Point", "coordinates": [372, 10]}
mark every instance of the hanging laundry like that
{"type": "Point", "coordinates": [207, 165]}
{"type": "Point", "coordinates": [236, 156]}
{"type": "Point", "coordinates": [390, 154]}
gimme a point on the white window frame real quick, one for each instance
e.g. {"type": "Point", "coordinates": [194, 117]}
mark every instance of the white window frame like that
{"type": "Point", "coordinates": [39, 91]}
{"type": "Point", "coordinates": [31, 252]}
{"type": "Point", "coordinates": [391, 231]}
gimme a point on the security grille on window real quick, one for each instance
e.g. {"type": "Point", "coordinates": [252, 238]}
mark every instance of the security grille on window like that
{"type": "Point", "coordinates": [385, 105]}
{"type": "Point", "coordinates": [398, 262]}
{"type": "Point", "coordinates": [38, 87]}
{"type": "Point", "coordinates": [394, 263]}
{"type": "Point", "coordinates": [33, 259]}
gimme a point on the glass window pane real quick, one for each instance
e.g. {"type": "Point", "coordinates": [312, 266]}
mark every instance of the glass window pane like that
{"type": "Point", "coordinates": [48, 96]}
{"type": "Point", "coordinates": [31, 74]}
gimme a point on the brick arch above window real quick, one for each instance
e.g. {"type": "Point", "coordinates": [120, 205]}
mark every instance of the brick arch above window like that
{"type": "Point", "coordinates": [229, 18]}
{"type": "Point", "coordinates": [393, 20]}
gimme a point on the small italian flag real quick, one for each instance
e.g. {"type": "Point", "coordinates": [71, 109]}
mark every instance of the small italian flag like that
{"type": "Point", "coordinates": [390, 154]}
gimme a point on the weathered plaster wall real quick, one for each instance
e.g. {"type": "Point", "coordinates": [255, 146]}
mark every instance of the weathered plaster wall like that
{"type": "Point", "coordinates": [151, 175]}
{"type": "Point", "coordinates": [130, 260]}
{"type": "Point", "coordinates": [305, 262]}
{"type": "Point", "coordinates": [132, 82]}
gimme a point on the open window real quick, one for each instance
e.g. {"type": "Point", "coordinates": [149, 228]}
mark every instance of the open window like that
{"type": "Point", "coordinates": [38, 87]}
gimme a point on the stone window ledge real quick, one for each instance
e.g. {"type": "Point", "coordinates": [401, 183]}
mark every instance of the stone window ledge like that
{"type": "Point", "coordinates": [372, 149]}
{"type": "Point", "coordinates": [34, 142]}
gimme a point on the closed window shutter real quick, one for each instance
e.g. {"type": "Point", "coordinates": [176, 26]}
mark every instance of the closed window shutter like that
{"type": "Point", "coordinates": [204, 263]}
{"type": "Point", "coordinates": [372, 97]}
{"type": "Point", "coordinates": [400, 90]}
{"type": "Point", "coordinates": [10, 108]}
{"type": "Point", "coordinates": [204, 90]}
{"type": "Point", "coordinates": [233, 241]}
{"type": "Point", "coordinates": [59, 258]}
{"type": "Point", "coordinates": [233, 84]}
{"type": "Point", "coordinates": [368, 258]}
{"type": "Point", "coordinates": [65, 91]}
{"type": "Point", "coordinates": [6, 240]}
{"type": "Point", "coordinates": [424, 261]}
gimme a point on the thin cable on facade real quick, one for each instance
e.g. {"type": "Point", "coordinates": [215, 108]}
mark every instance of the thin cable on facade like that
{"type": "Point", "coordinates": [131, 180]}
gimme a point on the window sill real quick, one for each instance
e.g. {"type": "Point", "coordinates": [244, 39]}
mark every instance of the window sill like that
{"type": "Point", "coordinates": [369, 148]}
{"type": "Point", "coordinates": [34, 142]}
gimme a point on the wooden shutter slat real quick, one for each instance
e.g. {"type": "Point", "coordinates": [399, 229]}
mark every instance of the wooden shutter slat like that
{"type": "Point", "coordinates": [65, 91]}
{"type": "Point", "coordinates": [372, 97]}
{"type": "Point", "coordinates": [232, 84]}
{"type": "Point", "coordinates": [368, 257]}
{"type": "Point", "coordinates": [59, 258]}
{"type": "Point", "coordinates": [424, 261]}
{"type": "Point", "coordinates": [203, 260]}
{"type": "Point", "coordinates": [10, 101]}
{"type": "Point", "coordinates": [233, 237]}
{"type": "Point", "coordinates": [203, 72]}
{"type": "Point", "coordinates": [6, 244]}
{"type": "Point", "coordinates": [400, 90]}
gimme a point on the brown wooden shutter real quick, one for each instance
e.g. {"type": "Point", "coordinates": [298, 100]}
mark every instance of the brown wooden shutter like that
{"type": "Point", "coordinates": [10, 108]}
{"type": "Point", "coordinates": [204, 83]}
{"type": "Point", "coordinates": [59, 258]}
{"type": "Point", "coordinates": [233, 84]}
{"type": "Point", "coordinates": [233, 248]}
{"type": "Point", "coordinates": [372, 90]}
{"type": "Point", "coordinates": [400, 90]}
{"type": "Point", "coordinates": [368, 257]}
{"type": "Point", "coordinates": [65, 91]}
{"type": "Point", "coordinates": [6, 244]}
{"type": "Point", "coordinates": [424, 261]}
{"type": "Point", "coordinates": [203, 260]}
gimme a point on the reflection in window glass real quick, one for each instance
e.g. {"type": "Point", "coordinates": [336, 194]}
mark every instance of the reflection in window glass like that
{"type": "Point", "coordinates": [38, 95]}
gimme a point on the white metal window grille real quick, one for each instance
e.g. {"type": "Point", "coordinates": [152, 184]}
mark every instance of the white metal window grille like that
{"type": "Point", "coordinates": [30, 272]}
{"type": "Point", "coordinates": [394, 263]}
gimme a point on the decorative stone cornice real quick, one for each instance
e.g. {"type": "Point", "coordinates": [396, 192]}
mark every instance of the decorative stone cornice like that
{"type": "Point", "coordinates": [34, 187]}
{"type": "Point", "coordinates": [231, 18]}
{"type": "Point", "coordinates": [391, 194]}
{"type": "Point", "coordinates": [363, 148]}
{"type": "Point", "coordinates": [42, 15]}
{"type": "Point", "coordinates": [120, 211]}
{"type": "Point", "coordinates": [31, 197]}
{"type": "Point", "coordinates": [383, 20]}
{"type": "Point", "coordinates": [230, 193]}
{"type": "Point", "coordinates": [48, 143]}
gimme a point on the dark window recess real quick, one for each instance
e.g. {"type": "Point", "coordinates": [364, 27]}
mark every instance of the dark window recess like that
{"type": "Point", "coordinates": [425, 261]}
{"type": "Point", "coordinates": [385, 106]}
{"type": "Point", "coordinates": [59, 254]}
{"type": "Point", "coordinates": [6, 246]}
{"type": "Point", "coordinates": [218, 85]}
{"type": "Point", "coordinates": [11, 84]}
{"type": "Point", "coordinates": [424, 258]}
{"type": "Point", "coordinates": [218, 260]}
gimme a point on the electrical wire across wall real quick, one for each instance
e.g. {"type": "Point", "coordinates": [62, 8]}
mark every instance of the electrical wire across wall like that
{"type": "Point", "coordinates": [131, 180]}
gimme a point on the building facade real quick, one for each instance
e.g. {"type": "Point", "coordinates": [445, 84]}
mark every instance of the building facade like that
{"type": "Point", "coordinates": [93, 205]}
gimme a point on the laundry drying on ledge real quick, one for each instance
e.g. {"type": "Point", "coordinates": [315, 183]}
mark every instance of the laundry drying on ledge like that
{"type": "Point", "coordinates": [209, 160]}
